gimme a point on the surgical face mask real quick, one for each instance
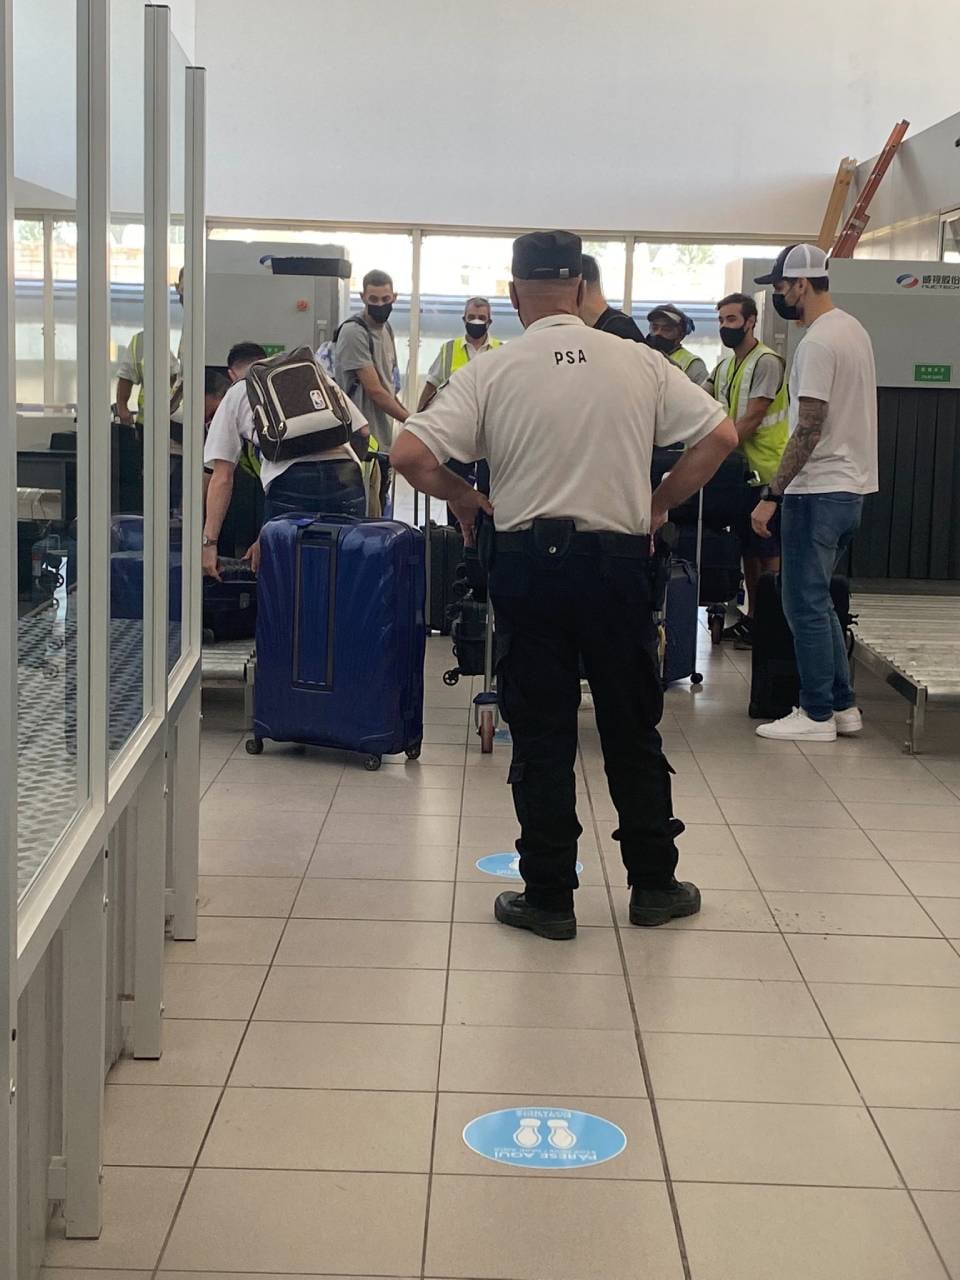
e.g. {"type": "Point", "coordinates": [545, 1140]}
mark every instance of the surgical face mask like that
{"type": "Point", "coordinates": [732, 337]}
{"type": "Point", "coordinates": [660, 343]}
{"type": "Point", "coordinates": [787, 310]}
{"type": "Point", "coordinates": [379, 312]}
{"type": "Point", "coordinates": [477, 328]}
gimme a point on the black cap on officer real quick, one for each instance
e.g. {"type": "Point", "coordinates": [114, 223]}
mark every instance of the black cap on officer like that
{"type": "Point", "coordinates": [547, 255]}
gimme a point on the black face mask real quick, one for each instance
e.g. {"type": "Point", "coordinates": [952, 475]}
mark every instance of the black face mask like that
{"type": "Point", "coordinates": [732, 337]}
{"type": "Point", "coordinates": [660, 343]}
{"type": "Point", "coordinates": [379, 312]}
{"type": "Point", "coordinates": [477, 328]}
{"type": "Point", "coordinates": [788, 310]}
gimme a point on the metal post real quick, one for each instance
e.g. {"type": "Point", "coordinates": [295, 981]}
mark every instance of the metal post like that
{"type": "Point", "coordinates": [185, 776]}
{"type": "Point", "coordinates": [8, 674]}
{"type": "Point", "coordinates": [195, 237]}
{"type": "Point", "coordinates": [628, 276]}
{"type": "Point", "coordinates": [149, 831]}
{"type": "Point", "coordinates": [49, 313]}
{"type": "Point", "coordinates": [84, 1047]}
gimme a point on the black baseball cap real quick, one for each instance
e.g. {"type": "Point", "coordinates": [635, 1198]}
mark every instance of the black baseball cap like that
{"type": "Point", "coordinates": [547, 255]}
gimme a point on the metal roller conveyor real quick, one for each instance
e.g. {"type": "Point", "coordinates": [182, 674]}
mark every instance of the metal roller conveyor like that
{"type": "Point", "coordinates": [912, 642]}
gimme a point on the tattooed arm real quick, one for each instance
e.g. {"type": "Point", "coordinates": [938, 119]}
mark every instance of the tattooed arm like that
{"type": "Point", "coordinates": [799, 448]}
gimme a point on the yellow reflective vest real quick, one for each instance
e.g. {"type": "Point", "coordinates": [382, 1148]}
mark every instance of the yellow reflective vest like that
{"type": "Point", "coordinates": [454, 355]}
{"type": "Point", "coordinates": [731, 386]}
{"type": "Point", "coordinates": [682, 358]}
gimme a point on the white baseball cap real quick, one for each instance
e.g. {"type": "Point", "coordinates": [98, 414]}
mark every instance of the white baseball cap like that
{"type": "Point", "coordinates": [796, 262]}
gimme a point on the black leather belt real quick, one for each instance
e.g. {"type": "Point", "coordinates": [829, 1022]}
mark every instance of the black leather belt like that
{"type": "Point", "coordinates": [631, 546]}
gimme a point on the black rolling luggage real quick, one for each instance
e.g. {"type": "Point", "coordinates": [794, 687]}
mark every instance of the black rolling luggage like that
{"type": "Point", "coordinates": [774, 683]}
{"type": "Point", "coordinates": [230, 605]}
{"type": "Point", "coordinates": [446, 554]}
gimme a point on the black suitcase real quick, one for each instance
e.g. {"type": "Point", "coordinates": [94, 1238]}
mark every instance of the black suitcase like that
{"type": "Point", "coordinates": [446, 556]}
{"type": "Point", "coordinates": [719, 561]}
{"type": "Point", "coordinates": [774, 683]}
{"type": "Point", "coordinates": [230, 605]}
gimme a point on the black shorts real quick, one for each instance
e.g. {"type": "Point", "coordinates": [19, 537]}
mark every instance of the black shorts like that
{"type": "Point", "coordinates": [753, 547]}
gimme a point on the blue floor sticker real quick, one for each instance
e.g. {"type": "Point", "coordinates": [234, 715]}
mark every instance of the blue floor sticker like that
{"type": "Point", "coordinates": [544, 1138]}
{"type": "Point", "coordinates": [505, 865]}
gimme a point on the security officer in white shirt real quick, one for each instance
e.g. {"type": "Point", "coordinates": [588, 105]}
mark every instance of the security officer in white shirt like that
{"type": "Point", "coordinates": [567, 417]}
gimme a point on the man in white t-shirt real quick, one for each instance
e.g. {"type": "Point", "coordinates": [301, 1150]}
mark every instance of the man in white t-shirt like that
{"type": "Point", "coordinates": [828, 466]}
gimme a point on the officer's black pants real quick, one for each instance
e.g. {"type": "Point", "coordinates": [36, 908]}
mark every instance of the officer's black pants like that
{"type": "Point", "coordinates": [548, 613]}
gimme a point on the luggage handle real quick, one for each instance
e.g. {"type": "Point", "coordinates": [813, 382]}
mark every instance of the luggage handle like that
{"type": "Point", "coordinates": [304, 520]}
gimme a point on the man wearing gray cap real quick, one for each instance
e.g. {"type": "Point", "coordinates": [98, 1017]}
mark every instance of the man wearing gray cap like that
{"type": "Point", "coordinates": [567, 417]}
{"type": "Point", "coordinates": [829, 464]}
{"type": "Point", "coordinates": [668, 328]}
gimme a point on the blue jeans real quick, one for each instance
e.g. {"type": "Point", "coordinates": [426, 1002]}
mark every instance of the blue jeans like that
{"type": "Point", "coordinates": [320, 488]}
{"type": "Point", "coordinates": [815, 529]}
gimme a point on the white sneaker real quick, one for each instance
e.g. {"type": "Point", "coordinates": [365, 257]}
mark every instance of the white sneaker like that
{"type": "Point", "coordinates": [848, 722]}
{"type": "Point", "coordinates": [798, 727]}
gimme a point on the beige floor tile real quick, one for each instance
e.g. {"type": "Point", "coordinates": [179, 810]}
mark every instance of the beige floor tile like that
{"type": "Point", "coordinates": [915, 962]}
{"type": "Point", "coordinates": [370, 828]}
{"type": "Point", "coordinates": [917, 846]}
{"type": "Point", "coordinates": [285, 767]}
{"type": "Point", "coordinates": [541, 1060]}
{"type": "Point", "coordinates": [404, 802]}
{"type": "Point", "coordinates": [232, 1275]}
{"type": "Point", "coordinates": [872, 743]}
{"type": "Point", "coordinates": [795, 842]}
{"type": "Point", "coordinates": [675, 953]}
{"type": "Point", "coordinates": [945, 913]}
{"type": "Point", "coordinates": [493, 947]}
{"type": "Point", "coordinates": [211, 990]}
{"type": "Point", "coordinates": [825, 875]}
{"type": "Point", "coordinates": [941, 1212]}
{"type": "Point", "coordinates": [365, 944]}
{"type": "Point", "coordinates": [540, 1229]}
{"type": "Point", "coordinates": [639, 1160]}
{"type": "Point", "coordinates": [235, 799]}
{"type": "Point", "coordinates": [401, 778]}
{"type": "Point", "coordinates": [724, 910]}
{"type": "Point", "coordinates": [155, 1124]}
{"type": "Point", "coordinates": [796, 1233]}
{"type": "Point", "coordinates": [254, 858]}
{"type": "Point", "coordinates": [138, 1207]}
{"type": "Point", "coordinates": [792, 813]}
{"type": "Point", "coordinates": [194, 1052]}
{"type": "Point", "coordinates": [906, 817]}
{"type": "Point", "coordinates": [726, 1006]}
{"type": "Point", "coordinates": [905, 1074]}
{"type": "Point", "coordinates": [851, 913]}
{"type": "Point", "coordinates": [872, 767]}
{"type": "Point", "coordinates": [479, 836]}
{"type": "Point", "coordinates": [474, 903]}
{"type": "Point", "coordinates": [228, 940]}
{"type": "Point", "coordinates": [774, 1142]}
{"type": "Point", "coordinates": [447, 755]}
{"type": "Point", "coordinates": [931, 879]}
{"type": "Point", "coordinates": [760, 785]}
{"type": "Point", "coordinates": [302, 1055]}
{"type": "Point", "coordinates": [858, 1012]}
{"type": "Point", "coordinates": [403, 861]}
{"type": "Point", "coordinates": [583, 1001]}
{"type": "Point", "coordinates": [697, 809]}
{"type": "Point", "coordinates": [321, 1129]}
{"type": "Point", "coordinates": [710, 872]}
{"type": "Point", "coordinates": [925, 1145]}
{"type": "Point", "coordinates": [247, 895]}
{"type": "Point", "coordinates": [708, 839]}
{"type": "Point", "coordinates": [273, 825]}
{"type": "Point", "coordinates": [904, 790]}
{"type": "Point", "coordinates": [738, 739]}
{"type": "Point", "coordinates": [72, 1273]}
{"type": "Point", "coordinates": [299, 1221]}
{"type": "Point", "coordinates": [374, 900]}
{"type": "Point", "coordinates": [445, 733]}
{"type": "Point", "coordinates": [311, 994]}
{"type": "Point", "coordinates": [748, 1069]}
{"type": "Point", "coordinates": [718, 765]}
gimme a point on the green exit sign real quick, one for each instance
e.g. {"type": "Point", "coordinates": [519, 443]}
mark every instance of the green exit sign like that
{"type": "Point", "coordinates": [274, 349]}
{"type": "Point", "coordinates": [932, 372]}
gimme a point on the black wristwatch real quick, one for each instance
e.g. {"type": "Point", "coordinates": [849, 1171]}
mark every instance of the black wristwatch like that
{"type": "Point", "coordinates": [767, 496]}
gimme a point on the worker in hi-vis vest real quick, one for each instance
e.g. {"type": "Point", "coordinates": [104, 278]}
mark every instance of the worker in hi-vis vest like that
{"type": "Point", "coordinates": [668, 328]}
{"type": "Point", "coordinates": [750, 384]}
{"type": "Point", "coordinates": [130, 374]}
{"type": "Point", "coordinates": [453, 355]}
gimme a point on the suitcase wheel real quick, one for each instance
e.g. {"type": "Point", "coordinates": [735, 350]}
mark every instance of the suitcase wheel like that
{"type": "Point", "coordinates": [487, 729]}
{"type": "Point", "coordinates": [372, 763]}
{"type": "Point", "coordinates": [413, 753]}
{"type": "Point", "coordinates": [696, 678]}
{"type": "Point", "coordinates": [716, 628]}
{"type": "Point", "coordinates": [450, 678]}
{"type": "Point", "coordinates": [254, 746]}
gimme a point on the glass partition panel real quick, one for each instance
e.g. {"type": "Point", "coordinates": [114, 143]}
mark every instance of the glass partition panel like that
{"type": "Point", "coordinates": [175, 242]}
{"type": "Point", "coordinates": [52, 681]}
{"type": "Point", "coordinates": [64, 259]}
{"type": "Point", "coordinates": [128, 572]}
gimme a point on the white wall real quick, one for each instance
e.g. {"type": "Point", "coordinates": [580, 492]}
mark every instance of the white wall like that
{"type": "Point", "coordinates": [700, 117]}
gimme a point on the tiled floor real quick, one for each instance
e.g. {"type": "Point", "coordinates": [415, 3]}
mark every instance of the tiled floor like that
{"type": "Point", "coordinates": [785, 1066]}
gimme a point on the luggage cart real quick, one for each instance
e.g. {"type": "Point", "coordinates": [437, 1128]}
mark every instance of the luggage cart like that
{"type": "Point", "coordinates": [486, 709]}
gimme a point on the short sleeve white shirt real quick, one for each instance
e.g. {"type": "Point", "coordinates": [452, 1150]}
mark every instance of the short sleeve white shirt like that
{"type": "Point", "coordinates": [567, 417]}
{"type": "Point", "coordinates": [232, 424]}
{"type": "Point", "coordinates": [834, 363]}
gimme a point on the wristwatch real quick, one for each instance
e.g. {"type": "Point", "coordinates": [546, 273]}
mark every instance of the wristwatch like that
{"type": "Point", "coordinates": [208, 542]}
{"type": "Point", "coordinates": [767, 496]}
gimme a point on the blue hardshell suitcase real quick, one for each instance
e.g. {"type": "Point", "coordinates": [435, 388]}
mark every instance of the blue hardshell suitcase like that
{"type": "Point", "coordinates": [681, 621]}
{"type": "Point", "coordinates": [340, 635]}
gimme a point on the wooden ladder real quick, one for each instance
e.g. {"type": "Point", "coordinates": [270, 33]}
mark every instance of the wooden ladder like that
{"type": "Point", "coordinates": [856, 223]}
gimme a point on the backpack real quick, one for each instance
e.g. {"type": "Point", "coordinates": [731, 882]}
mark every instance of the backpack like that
{"type": "Point", "coordinates": [297, 409]}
